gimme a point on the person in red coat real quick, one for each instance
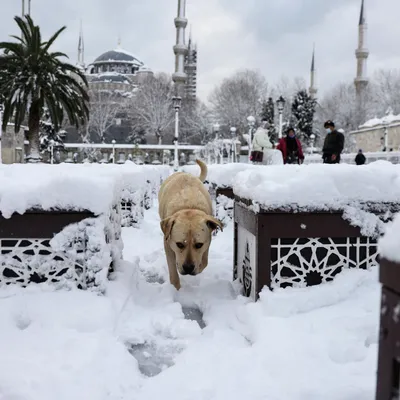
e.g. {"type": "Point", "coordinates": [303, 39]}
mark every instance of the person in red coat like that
{"type": "Point", "coordinates": [291, 149]}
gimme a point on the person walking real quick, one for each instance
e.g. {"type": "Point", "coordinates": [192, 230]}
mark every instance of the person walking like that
{"type": "Point", "coordinates": [290, 146]}
{"type": "Point", "coordinates": [360, 158]}
{"type": "Point", "coordinates": [333, 145]}
{"type": "Point", "coordinates": [261, 145]}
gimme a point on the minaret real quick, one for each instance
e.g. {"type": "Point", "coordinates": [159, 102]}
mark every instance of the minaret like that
{"type": "Point", "coordinates": [81, 49]}
{"type": "Point", "coordinates": [24, 10]}
{"type": "Point", "coordinates": [313, 89]}
{"type": "Point", "coordinates": [179, 76]}
{"type": "Point", "coordinates": [361, 81]}
{"type": "Point", "coordinates": [191, 71]}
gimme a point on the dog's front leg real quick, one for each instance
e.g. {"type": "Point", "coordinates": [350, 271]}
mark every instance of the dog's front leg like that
{"type": "Point", "coordinates": [173, 272]}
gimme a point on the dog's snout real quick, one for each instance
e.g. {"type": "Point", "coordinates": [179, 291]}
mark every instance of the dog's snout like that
{"type": "Point", "coordinates": [188, 269]}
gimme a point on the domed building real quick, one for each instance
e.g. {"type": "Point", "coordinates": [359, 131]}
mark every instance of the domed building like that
{"type": "Point", "coordinates": [116, 70]}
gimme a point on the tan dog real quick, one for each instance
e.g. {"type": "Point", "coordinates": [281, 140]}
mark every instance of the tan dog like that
{"type": "Point", "coordinates": [185, 210]}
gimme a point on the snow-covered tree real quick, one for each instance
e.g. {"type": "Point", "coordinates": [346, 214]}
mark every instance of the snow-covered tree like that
{"type": "Point", "coordinates": [152, 108]}
{"type": "Point", "coordinates": [268, 114]}
{"type": "Point", "coordinates": [303, 109]}
{"type": "Point", "coordinates": [196, 123]}
{"type": "Point", "coordinates": [51, 140]}
{"type": "Point", "coordinates": [105, 105]}
{"type": "Point", "coordinates": [238, 97]}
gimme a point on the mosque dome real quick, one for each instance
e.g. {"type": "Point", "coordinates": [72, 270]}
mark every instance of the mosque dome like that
{"type": "Point", "coordinates": [118, 55]}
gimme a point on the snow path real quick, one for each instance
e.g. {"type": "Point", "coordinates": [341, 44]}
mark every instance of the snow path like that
{"type": "Point", "coordinates": [143, 341]}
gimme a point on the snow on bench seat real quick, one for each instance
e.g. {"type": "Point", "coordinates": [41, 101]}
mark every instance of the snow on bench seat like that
{"type": "Point", "coordinates": [302, 225]}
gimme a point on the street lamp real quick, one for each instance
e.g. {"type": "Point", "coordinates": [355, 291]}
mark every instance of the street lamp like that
{"type": "Point", "coordinates": [216, 130]}
{"type": "Point", "coordinates": [251, 121]}
{"type": "Point", "coordinates": [281, 105]}
{"type": "Point", "coordinates": [113, 150]}
{"type": "Point", "coordinates": [233, 134]}
{"type": "Point", "coordinates": [177, 101]}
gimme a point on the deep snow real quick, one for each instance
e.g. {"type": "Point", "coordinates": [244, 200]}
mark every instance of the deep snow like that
{"type": "Point", "coordinates": [309, 344]}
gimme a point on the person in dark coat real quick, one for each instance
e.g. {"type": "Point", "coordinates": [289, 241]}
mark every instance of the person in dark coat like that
{"type": "Point", "coordinates": [360, 158]}
{"type": "Point", "coordinates": [291, 149]}
{"type": "Point", "coordinates": [333, 145]}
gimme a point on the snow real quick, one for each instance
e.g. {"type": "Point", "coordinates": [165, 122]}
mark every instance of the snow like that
{"type": "Point", "coordinates": [222, 175]}
{"type": "Point", "coordinates": [389, 244]}
{"type": "Point", "coordinates": [75, 187]}
{"type": "Point", "coordinates": [386, 120]}
{"type": "Point", "coordinates": [298, 344]}
{"type": "Point", "coordinates": [319, 187]}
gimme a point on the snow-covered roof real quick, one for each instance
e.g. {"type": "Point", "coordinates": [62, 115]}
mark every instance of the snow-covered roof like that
{"type": "Point", "coordinates": [386, 120]}
{"type": "Point", "coordinates": [319, 187]}
{"type": "Point", "coordinates": [389, 244]}
{"type": "Point", "coordinates": [118, 55]}
{"type": "Point", "coordinates": [93, 187]}
{"type": "Point", "coordinates": [114, 77]}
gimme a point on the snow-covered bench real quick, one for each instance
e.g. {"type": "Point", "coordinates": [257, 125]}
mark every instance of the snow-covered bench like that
{"type": "Point", "coordinates": [388, 385]}
{"type": "Point", "coordinates": [58, 225]}
{"type": "Point", "coordinates": [301, 225]}
{"type": "Point", "coordinates": [140, 184]}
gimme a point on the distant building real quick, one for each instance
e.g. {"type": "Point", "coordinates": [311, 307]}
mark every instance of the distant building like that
{"type": "Point", "coordinates": [379, 134]}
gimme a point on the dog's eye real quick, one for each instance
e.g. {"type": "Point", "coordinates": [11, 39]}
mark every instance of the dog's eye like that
{"type": "Point", "coordinates": [180, 245]}
{"type": "Point", "coordinates": [198, 245]}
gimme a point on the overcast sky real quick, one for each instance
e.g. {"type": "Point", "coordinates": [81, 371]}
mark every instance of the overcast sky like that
{"type": "Point", "coordinates": [275, 36]}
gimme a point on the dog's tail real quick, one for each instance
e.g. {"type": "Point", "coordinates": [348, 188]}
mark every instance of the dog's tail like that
{"type": "Point", "coordinates": [204, 170]}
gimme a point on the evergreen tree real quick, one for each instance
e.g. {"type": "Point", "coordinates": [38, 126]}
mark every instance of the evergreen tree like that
{"type": "Point", "coordinates": [303, 110]}
{"type": "Point", "coordinates": [50, 139]}
{"type": "Point", "coordinates": [268, 114]}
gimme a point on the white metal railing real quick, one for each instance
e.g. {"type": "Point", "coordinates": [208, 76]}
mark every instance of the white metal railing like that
{"type": "Point", "coordinates": [130, 146]}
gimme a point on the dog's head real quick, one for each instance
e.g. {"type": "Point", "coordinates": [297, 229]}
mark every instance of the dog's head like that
{"type": "Point", "coordinates": [188, 234]}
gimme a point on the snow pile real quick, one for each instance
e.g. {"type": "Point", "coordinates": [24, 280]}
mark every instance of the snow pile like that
{"type": "Point", "coordinates": [48, 187]}
{"type": "Point", "coordinates": [319, 187]}
{"type": "Point", "coordinates": [222, 175]}
{"type": "Point", "coordinates": [74, 187]}
{"type": "Point", "coordinates": [389, 244]}
{"type": "Point", "coordinates": [88, 253]}
{"type": "Point", "coordinates": [296, 344]}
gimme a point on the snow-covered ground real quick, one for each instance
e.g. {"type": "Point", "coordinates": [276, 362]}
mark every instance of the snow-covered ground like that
{"type": "Point", "coordinates": [144, 341]}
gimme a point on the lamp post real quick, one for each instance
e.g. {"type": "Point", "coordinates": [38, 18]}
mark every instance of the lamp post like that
{"type": "Point", "coordinates": [281, 105]}
{"type": "Point", "coordinates": [312, 143]}
{"type": "Point", "coordinates": [113, 149]}
{"type": "Point", "coordinates": [251, 121]}
{"type": "Point", "coordinates": [177, 101]}
{"type": "Point", "coordinates": [233, 134]}
{"type": "Point", "coordinates": [216, 131]}
{"type": "Point", "coordinates": [386, 138]}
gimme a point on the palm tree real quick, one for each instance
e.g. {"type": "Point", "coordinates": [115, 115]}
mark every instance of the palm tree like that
{"type": "Point", "coordinates": [32, 78]}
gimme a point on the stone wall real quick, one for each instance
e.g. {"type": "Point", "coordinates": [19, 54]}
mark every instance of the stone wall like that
{"type": "Point", "coordinates": [12, 145]}
{"type": "Point", "coordinates": [372, 139]}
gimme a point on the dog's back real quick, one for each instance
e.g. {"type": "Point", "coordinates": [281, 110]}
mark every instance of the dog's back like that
{"type": "Point", "coordinates": [184, 191]}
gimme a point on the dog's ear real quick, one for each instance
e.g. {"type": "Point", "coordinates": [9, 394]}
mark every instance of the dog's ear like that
{"type": "Point", "coordinates": [166, 226]}
{"type": "Point", "coordinates": [214, 223]}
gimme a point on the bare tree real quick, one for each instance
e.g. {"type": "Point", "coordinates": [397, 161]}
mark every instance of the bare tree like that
{"type": "Point", "coordinates": [105, 106]}
{"type": "Point", "coordinates": [386, 91]}
{"type": "Point", "coordinates": [152, 108]}
{"type": "Point", "coordinates": [238, 97]}
{"type": "Point", "coordinates": [196, 123]}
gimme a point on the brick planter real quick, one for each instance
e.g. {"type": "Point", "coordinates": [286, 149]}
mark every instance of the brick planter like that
{"type": "Point", "coordinates": [388, 385]}
{"type": "Point", "coordinates": [85, 253]}
{"type": "Point", "coordinates": [282, 248]}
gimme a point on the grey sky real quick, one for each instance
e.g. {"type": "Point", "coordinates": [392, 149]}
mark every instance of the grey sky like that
{"type": "Point", "coordinates": [275, 37]}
